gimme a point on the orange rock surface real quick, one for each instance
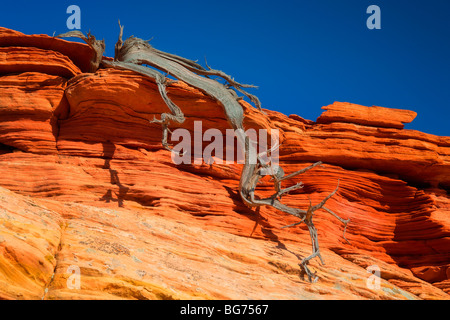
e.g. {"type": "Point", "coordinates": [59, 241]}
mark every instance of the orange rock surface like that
{"type": "Point", "coordinates": [85, 185]}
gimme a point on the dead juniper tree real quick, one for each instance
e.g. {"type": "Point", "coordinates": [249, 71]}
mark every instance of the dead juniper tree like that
{"type": "Point", "coordinates": [134, 53]}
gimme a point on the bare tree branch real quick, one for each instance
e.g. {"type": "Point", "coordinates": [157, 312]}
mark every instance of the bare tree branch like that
{"type": "Point", "coordinates": [97, 45]}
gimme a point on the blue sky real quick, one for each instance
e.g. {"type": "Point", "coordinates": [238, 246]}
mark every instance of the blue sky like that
{"type": "Point", "coordinates": [302, 54]}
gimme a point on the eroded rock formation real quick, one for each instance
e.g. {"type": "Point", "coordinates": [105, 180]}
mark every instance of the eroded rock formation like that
{"type": "Point", "coordinates": [85, 182]}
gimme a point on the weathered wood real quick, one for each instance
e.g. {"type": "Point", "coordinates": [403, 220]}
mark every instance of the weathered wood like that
{"type": "Point", "coordinates": [97, 45]}
{"type": "Point", "coordinates": [138, 51]}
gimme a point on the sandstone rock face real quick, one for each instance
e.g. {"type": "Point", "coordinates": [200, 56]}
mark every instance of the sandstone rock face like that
{"type": "Point", "coordinates": [86, 188]}
{"type": "Point", "coordinates": [78, 53]}
{"type": "Point", "coordinates": [373, 116]}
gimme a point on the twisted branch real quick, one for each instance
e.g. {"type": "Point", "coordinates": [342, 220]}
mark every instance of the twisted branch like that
{"type": "Point", "coordinates": [97, 45]}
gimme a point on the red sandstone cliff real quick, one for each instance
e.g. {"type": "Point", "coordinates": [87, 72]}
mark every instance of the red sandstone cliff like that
{"type": "Point", "coordinates": [85, 182]}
